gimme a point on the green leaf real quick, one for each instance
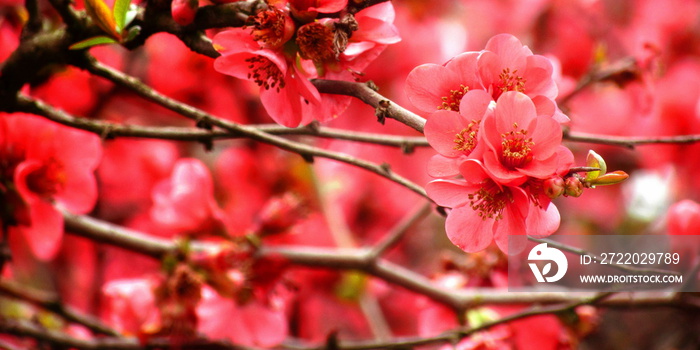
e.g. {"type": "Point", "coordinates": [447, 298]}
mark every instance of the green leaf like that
{"type": "Point", "coordinates": [133, 32]}
{"type": "Point", "coordinates": [90, 42]}
{"type": "Point", "coordinates": [121, 7]}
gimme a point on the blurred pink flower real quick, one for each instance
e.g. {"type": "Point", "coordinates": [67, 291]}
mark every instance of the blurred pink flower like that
{"type": "Point", "coordinates": [130, 306]}
{"type": "Point", "coordinates": [185, 201]}
{"type": "Point", "coordinates": [44, 165]}
{"type": "Point", "coordinates": [249, 324]}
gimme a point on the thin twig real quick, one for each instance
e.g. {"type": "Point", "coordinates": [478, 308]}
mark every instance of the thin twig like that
{"type": "Point", "coordinates": [53, 303]}
{"type": "Point", "coordinates": [629, 142]}
{"type": "Point", "coordinates": [207, 120]}
{"type": "Point", "coordinates": [398, 231]}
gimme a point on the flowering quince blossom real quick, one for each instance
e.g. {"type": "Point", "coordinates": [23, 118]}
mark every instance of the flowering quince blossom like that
{"type": "Point", "coordinates": [288, 45]}
{"type": "Point", "coordinates": [521, 144]}
{"type": "Point", "coordinates": [504, 143]}
{"type": "Point", "coordinates": [455, 135]}
{"type": "Point", "coordinates": [44, 165]}
{"type": "Point", "coordinates": [504, 65]}
{"type": "Point", "coordinates": [185, 201]}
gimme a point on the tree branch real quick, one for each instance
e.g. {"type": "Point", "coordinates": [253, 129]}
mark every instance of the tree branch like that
{"type": "Point", "coordinates": [385, 108]}
{"type": "Point", "coordinates": [53, 303]}
{"type": "Point", "coordinates": [362, 259]}
{"type": "Point", "coordinates": [206, 120]}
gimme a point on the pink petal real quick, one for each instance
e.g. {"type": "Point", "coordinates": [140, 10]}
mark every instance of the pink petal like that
{"type": "Point", "coordinates": [541, 222]}
{"type": "Point", "coordinates": [441, 166]}
{"type": "Point", "coordinates": [513, 220]}
{"type": "Point", "coordinates": [330, 6]}
{"type": "Point", "coordinates": [441, 129]}
{"type": "Point", "coordinates": [546, 134]}
{"type": "Point", "coordinates": [541, 168]}
{"type": "Point", "coordinates": [539, 77]}
{"type": "Point", "coordinates": [464, 66]}
{"type": "Point", "coordinates": [514, 108]}
{"type": "Point", "coordinates": [475, 104]}
{"type": "Point", "coordinates": [46, 231]}
{"type": "Point", "coordinates": [377, 31]}
{"type": "Point", "coordinates": [449, 193]}
{"type": "Point", "coordinates": [283, 106]}
{"type": "Point", "coordinates": [79, 194]}
{"type": "Point", "coordinates": [509, 49]}
{"type": "Point", "coordinates": [383, 11]}
{"type": "Point", "coordinates": [473, 172]}
{"type": "Point", "coordinates": [467, 230]}
{"type": "Point", "coordinates": [427, 84]}
{"type": "Point", "coordinates": [501, 174]}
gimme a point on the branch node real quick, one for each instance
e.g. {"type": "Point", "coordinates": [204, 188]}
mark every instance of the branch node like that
{"type": "Point", "coordinates": [382, 111]}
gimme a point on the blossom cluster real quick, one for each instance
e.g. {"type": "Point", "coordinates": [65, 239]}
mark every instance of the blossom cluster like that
{"type": "Point", "coordinates": [293, 41]}
{"type": "Point", "coordinates": [493, 120]}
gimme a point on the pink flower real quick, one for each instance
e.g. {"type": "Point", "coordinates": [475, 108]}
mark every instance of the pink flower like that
{"type": "Point", "coordinates": [455, 135]}
{"type": "Point", "coordinates": [432, 87]}
{"type": "Point", "coordinates": [185, 201]}
{"type": "Point", "coordinates": [44, 165]}
{"type": "Point", "coordinates": [482, 209]}
{"type": "Point", "coordinates": [286, 94]}
{"type": "Point", "coordinates": [131, 306]}
{"type": "Point", "coordinates": [520, 143]}
{"type": "Point", "coordinates": [375, 30]}
{"type": "Point", "coordinates": [507, 65]}
{"type": "Point", "coordinates": [250, 324]}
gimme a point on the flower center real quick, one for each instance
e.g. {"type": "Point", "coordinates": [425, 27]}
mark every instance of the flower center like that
{"type": "Point", "coordinates": [509, 81]}
{"type": "Point", "coordinates": [265, 73]}
{"type": "Point", "coordinates": [316, 42]}
{"type": "Point", "coordinates": [270, 28]}
{"type": "Point", "coordinates": [466, 139]}
{"type": "Point", "coordinates": [47, 180]}
{"type": "Point", "coordinates": [451, 101]}
{"type": "Point", "coordinates": [490, 200]}
{"type": "Point", "coordinates": [516, 148]}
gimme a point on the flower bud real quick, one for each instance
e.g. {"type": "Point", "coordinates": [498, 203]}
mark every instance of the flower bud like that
{"type": "Point", "coordinates": [594, 160]}
{"type": "Point", "coordinates": [554, 187]}
{"type": "Point", "coordinates": [183, 11]}
{"type": "Point", "coordinates": [280, 213]}
{"type": "Point", "coordinates": [573, 187]}
{"type": "Point", "coordinates": [612, 178]}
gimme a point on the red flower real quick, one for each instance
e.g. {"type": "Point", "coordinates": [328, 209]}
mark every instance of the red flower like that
{"type": "Point", "coordinates": [432, 87]}
{"type": "Point", "coordinates": [455, 135]}
{"type": "Point", "coordinates": [44, 165]}
{"type": "Point", "coordinates": [286, 94]}
{"type": "Point", "coordinates": [251, 324]}
{"type": "Point", "coordinates": [185, 201]}
{"type": "Point", "coordinates": [520, 142]}
{"type": "Point", "coordinates": [482, 209]}
{"type": "Point", "coordinates": [507, 65]}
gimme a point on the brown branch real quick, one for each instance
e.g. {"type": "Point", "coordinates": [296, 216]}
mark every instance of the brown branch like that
{"type": "Point", "coordinates": [362, 259]}
{"type": "Point", "coordinates": [385, 108]}
{"type": "Point", "coordinates": [52, 303]}
{"type": "Point", "coordinates": [629, 142]}
{"type": "Point", "coordinates": [110, 130]}
{"type": "Point", "coordinates": [206, 120]}
{"type": "Point", "coordinates": [28, 329]}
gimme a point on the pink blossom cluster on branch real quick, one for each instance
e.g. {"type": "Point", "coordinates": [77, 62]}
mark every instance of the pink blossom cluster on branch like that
{"type": "Point", "coordinates": [289, 43]}
{"type": "Point", "coordinates": [494, 123]}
